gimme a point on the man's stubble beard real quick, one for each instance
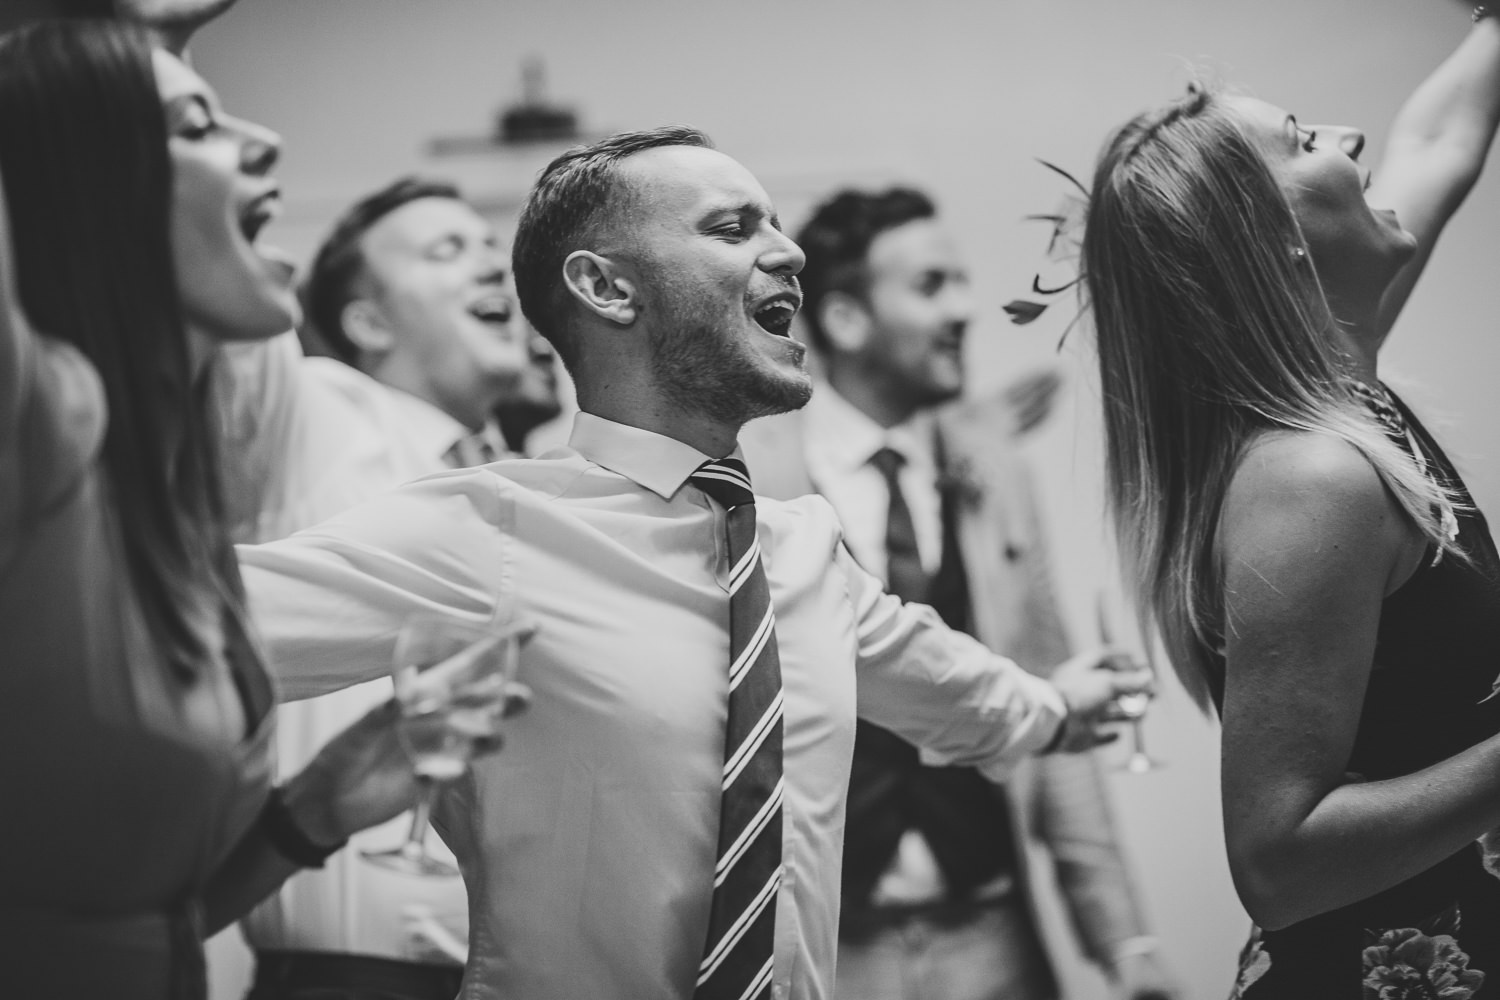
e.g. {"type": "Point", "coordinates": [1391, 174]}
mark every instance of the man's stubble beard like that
{"type": "Point", "coordinates": [702, 370]}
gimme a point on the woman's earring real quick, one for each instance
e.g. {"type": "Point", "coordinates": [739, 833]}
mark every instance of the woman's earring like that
{"type": "Point", "coordinates": [1299, 255]}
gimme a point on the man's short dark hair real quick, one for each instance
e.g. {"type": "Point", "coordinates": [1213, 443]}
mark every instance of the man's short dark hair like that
{"type": "Point", "coordinates": [577, 198]}
{"type": "Point", "coordinates": [339, 262]}
{"type": "Point", "coordinates": [837, 242]}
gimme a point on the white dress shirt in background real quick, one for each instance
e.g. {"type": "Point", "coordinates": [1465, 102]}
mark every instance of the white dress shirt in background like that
{"type": "Point", "coordinates": [588, 842]}
{"type": "Point", "coordinates": [838, 443]}
{"type": "Point", "coordinates": [307, 439]}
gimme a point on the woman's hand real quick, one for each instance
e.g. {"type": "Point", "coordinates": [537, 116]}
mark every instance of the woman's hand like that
{"type": "Point", "coordinates": [173, 21]}
{"type": "Point", "coordinates": [363, 777]}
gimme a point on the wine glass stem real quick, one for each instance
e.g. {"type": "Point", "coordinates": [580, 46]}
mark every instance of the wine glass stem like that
{"type": "Point", "coordinates": [1139, 758]}
{"type": "Point", "coordinates": [421, 815]}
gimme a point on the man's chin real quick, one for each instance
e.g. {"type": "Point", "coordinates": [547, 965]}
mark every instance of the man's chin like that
{"type": "Point", "coordinates": [782, 392]}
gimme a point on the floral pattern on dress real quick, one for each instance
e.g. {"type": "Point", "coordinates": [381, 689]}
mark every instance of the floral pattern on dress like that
{"type": "Point", "coordinates": [1489, 847]}
{"type": "Point", "coordinates": [1255, 962]}
{"type": "Point", "coordinates": [1406, 964]}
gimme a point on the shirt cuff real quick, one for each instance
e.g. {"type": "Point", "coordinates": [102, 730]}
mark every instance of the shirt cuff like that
{"type": "Point", "coordinates": [1044, 716]}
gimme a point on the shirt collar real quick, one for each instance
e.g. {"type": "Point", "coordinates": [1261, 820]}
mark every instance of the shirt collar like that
{"type": "Point", "coordinates": [659, 463]}
{"type": "Point", "coordinates": [435, 431]}
{"type": "Point", "coordinates": [841, 438]}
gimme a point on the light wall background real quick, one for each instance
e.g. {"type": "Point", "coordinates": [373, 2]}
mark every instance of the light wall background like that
{"type": "Point", "coordinates": [958, 96]}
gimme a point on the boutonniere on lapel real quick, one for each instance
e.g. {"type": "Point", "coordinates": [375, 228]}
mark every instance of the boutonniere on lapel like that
{"type": "Point", "coordinates": [960, 481]}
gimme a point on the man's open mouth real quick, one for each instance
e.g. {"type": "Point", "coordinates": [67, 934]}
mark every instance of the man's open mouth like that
{"type": "Point", "coordinates": [495, 309]}
{"type": "Point", "coordinates": [775, 317]}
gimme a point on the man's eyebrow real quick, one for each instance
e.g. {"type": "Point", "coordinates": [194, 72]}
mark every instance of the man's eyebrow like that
{"type": "Point", "coordinates": [745, 209]}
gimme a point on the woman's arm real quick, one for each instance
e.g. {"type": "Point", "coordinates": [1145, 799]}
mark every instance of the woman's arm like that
{"type": "Point", "coordinates": [361, 778]}
{"type": "Point", "coordinates": [1436, 148]}
{"type": "Point", "coordinates": [1311, 544]}
{"type": "Point", "coordinates": [16, 346]}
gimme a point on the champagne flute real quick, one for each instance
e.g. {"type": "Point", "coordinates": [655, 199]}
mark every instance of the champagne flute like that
{"type": "Point", "coordinates": [451, 678]}
{"type": "Point", "coordinates": [1132, 707]}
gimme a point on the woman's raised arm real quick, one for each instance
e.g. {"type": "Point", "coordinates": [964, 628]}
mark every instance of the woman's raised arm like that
{"type": "Point", "coordinates": [1436, 148]}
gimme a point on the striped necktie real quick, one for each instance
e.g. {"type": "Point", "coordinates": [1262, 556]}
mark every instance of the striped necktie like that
{"type": "Point", "coordinates": [742, 917]}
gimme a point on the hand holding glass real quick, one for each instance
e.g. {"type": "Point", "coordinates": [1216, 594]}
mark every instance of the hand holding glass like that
{"type": "Point", "coordinates": [1131, 707]}
{"type": "Point", "coordinates": [452, 679]}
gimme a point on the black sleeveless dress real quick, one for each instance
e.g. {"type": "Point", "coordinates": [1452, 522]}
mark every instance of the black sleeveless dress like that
{"type": "Point", "coordinates": [1437, 657]}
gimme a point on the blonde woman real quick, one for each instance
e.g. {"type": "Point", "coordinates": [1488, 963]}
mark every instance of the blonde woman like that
{"type": "Point", "coordinates": [1313, 560]}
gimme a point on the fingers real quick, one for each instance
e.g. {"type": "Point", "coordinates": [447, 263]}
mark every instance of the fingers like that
{"type": "Point", "coordinates": [1080, 735]}
{"type": "Point", "coordinates": [1135, 680]}
{"type": "Point", "coordinates": [485, 745]}
{"type": "Point", "coordinates": [517, 700]}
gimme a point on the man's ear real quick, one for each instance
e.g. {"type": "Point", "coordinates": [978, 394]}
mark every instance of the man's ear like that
{"type": "Point", "coordinates": [365, 326]}
{"type": "Point", "coordinates": [599, 285]}
{"type": "Point", "coordinates": [846, 321]}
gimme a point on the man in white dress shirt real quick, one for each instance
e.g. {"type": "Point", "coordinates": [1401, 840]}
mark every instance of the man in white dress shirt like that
{"type": "Point", "coordinates": [656, 267]}
{"type": "Point", "coordinates": [412, 291]}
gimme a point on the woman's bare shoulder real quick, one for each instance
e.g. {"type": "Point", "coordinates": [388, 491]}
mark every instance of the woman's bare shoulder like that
{"type": "Point", "coordinates": [1318, 492]}
{"type": "Point", "coordinates": [1304, 462]}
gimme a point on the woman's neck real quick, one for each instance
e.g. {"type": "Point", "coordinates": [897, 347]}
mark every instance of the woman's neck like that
{"type": "Point", "coordinates": [201, 351]}
{"type": "Point", "coordinates": [1354, 297]}
{"type": "Point", "coordinates": [1354, 339]}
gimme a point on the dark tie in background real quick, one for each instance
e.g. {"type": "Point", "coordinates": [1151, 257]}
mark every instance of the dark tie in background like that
{"type": "Point", "coordinates": [470, 450]}
{"type": "Point", "coordinates": [737, 956]}
{"type": "Point", "coordinates": [963, 817]}
{"type": "Point", "coordinates": [905, 576]}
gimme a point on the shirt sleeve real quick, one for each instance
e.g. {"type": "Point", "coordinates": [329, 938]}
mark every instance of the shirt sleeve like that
{"type": "Point", "coordinates": [260, 396]}
{"type": "Point", "coordinates": [941, 689]}
{"type": "Point", "coordinates": [330, 601]}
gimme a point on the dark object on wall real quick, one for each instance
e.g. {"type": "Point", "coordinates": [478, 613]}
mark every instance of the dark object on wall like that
{"type": "Point", "coordinates": [534, 118]}
{"type": "Point", "coordinates": [533, 121]}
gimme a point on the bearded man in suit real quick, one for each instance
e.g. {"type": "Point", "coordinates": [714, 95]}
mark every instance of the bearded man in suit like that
{"type": "Point", "coordinates": [942, 896]}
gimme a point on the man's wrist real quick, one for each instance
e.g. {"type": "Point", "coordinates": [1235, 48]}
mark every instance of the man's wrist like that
{"type": "Point", "coordinates": [1060, 734]}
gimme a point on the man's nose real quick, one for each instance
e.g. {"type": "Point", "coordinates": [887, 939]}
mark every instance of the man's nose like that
{"type": "Point", "coordinates": [784, 257]}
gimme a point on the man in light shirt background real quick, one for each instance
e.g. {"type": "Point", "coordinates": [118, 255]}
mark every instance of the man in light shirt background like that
{"type": "Point", "coordinates": [946, 875]}
{"type": "Point", "coordinates": [656, 267]}
{"type": "Point", "coordinates": [411, 291]}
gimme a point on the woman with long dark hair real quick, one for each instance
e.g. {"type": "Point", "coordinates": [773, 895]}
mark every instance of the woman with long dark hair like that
{"type": "Point", "coordinates": [134, 707]}
{"type": "Point", "coordinates": [1317, 569]}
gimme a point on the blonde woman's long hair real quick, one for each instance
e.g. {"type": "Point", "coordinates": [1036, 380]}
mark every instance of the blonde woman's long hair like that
{"type": "Point", "coordinates": [1211, 329]}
